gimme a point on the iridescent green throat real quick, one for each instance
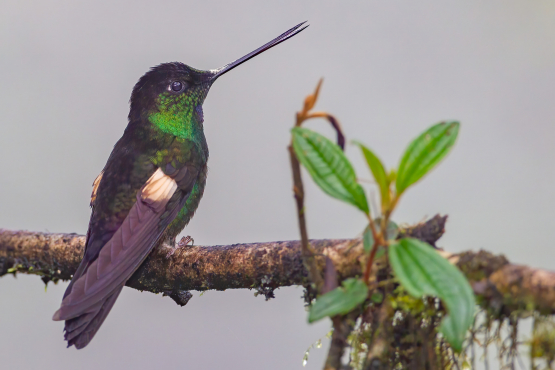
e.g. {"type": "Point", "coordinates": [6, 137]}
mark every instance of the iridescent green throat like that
{"type": "Point", "coordinates": [176, 115]}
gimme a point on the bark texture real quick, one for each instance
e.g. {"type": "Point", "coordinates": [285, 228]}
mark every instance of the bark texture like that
{"type": "Point", "coordinates": [267, 266]}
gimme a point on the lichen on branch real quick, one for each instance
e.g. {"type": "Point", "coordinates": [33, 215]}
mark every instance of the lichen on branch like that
{"type": "Point", "coordinates": [270, 265]}
{"type": "Point", "coordinates": [503, 289]}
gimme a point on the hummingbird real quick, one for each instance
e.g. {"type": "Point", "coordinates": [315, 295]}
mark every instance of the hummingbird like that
{"type": "Point", "coordinates": [148, 190]}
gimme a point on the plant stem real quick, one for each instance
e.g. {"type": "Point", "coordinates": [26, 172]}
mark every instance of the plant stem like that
{"type": "Point", "coordinates": [298, 190]}
{"type": "Point", "coordinates": [378, 240]}
{"type": "Point", "coordinates": [370, 261]}
{"type": "Point", "coordinates": [375, 234]}
{"type": "Point", "coordinates": [307, 252]}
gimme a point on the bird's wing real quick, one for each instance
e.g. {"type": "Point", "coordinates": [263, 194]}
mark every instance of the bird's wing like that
{"type": "Point", "coordinates": [84, 262]}
{"type": "Point", "coordinates": [157, 204]}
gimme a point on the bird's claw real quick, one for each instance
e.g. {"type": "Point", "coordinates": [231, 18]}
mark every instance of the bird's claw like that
{"type": "Point", "coordinates": [186, 241]}
{"type": "Point", "coordinates": [182, 243]}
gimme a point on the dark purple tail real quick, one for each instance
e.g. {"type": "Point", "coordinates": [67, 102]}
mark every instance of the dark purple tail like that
{"type": "Point", "coordinates": [80, 330]}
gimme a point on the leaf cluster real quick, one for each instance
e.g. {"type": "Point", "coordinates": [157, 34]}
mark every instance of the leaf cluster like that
{"type": "Point", "coordinates": [417, 266]}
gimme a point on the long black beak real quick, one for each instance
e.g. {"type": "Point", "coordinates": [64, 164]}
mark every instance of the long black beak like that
{"type": "Point", "coordinates": [278, 40]}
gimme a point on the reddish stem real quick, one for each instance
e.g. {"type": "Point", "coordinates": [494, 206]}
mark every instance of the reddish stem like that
{"type": "Point", "coordinates": [370, 261]}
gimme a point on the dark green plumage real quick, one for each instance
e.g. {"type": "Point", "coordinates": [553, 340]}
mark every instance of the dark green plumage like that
{"type": "Point", "coordinates": [148, 191]}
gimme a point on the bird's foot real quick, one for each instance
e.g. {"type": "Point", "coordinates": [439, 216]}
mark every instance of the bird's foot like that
{"type": "Point", "coordinates": [173, 246]}
{"type": "Point", "coordinates": [186, 240]}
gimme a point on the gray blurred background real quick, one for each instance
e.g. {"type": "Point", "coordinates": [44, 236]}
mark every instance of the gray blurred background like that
{"type": "Point", "coordinates": [391, 69]}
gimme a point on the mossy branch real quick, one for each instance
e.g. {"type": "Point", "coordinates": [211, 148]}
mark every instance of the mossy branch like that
{"type": "Point", "coordinates": [267, 266]}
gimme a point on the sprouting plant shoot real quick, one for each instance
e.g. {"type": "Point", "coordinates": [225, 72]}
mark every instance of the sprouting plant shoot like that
{"type": "Point", "coordinates": [417, 266]}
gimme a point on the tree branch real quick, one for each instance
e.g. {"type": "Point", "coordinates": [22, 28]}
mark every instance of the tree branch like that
{"type": "Point", "coordinates": [267, 266]}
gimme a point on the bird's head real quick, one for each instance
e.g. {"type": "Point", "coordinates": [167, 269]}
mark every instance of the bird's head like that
{"type": "Point", "coordinates": [172, 93]}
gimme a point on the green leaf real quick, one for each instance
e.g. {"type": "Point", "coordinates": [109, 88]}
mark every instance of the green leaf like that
{"type": "Point", "coordinates": [423, 272]}
{"type": "Point", "coordinates": [329, 167]}
{"type": "Point", "coordinates": [378, 171]}
{"type": "Point", "coordinates": [367, 240]}
{"type": "Point", "coordinates": [425, 152]}
{"type": "Point", "coordinates": [392, 230]}
{"type": "Point", "coordinates": [339, 301]}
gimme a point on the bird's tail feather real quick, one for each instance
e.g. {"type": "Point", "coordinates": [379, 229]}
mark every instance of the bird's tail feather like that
{"type": "Point", "coordinates": [80, 330]}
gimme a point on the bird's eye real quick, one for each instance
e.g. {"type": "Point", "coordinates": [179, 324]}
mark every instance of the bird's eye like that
{"type": "Point", "coordinates": [176, 86]}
